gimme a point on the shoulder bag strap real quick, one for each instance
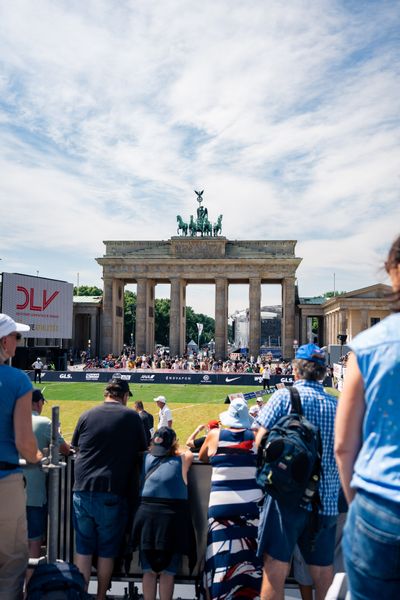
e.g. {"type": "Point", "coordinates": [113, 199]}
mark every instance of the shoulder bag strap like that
{"type": "Point", "coordinates": [295, 400]}
{"type": "Point", "coordinates": [153, 469]}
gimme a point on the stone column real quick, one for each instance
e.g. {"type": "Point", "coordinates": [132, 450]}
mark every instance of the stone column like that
{"type": "Point", "coordinates": [141, 297]}
{"type": "Point", "coordinates": [364, 319]}
{"type": "Point", "coordinates": [106, 325]}
{"type": "Point", "coordinates": [221, 317]}
{"type": "Point", "coordinates": [255, 316]}
{"type": "Point", "coordinates": [342, 321]}
{"type": "Point", "coordinates": [118, 316]}
{"type": "Point", "coordinates": [288, 316]}
{"type": "Point", "coordinates": [93, 333]}
{"type": "Point", "coordinates": [303, 337]}
{"type": "Point", "coordinates": [182, 339]}
{"type": "Point", "coordinates": [177, 317]}
{"type": "Point", "coordinates": [150, 316]}
{"type": "Point", "coordinates": [321, 331]}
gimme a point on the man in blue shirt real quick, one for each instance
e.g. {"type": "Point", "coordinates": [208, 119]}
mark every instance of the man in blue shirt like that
{"type": "Point", "coordinates": [281, 528]}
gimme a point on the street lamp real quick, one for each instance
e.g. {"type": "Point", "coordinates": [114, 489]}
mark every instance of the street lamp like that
{"type": "Point", "coordinates": [295, 346]}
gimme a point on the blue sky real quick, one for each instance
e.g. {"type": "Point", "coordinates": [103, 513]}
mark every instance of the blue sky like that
{"type": "Point", "coordinates": [286, 114]}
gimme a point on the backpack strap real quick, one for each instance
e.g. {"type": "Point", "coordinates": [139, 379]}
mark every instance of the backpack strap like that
{"type": "Point", "coordinates": [295, 400]}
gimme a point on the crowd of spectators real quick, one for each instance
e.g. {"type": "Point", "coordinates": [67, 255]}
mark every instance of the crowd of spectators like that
{"type": "Point", "coordinates": [128, 360]}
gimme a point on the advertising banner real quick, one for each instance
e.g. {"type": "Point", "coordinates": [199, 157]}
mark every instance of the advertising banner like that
{"type": "Point", "coordinates": [166, 378]}
{"type": "Point", "coordinates": [43, 304]}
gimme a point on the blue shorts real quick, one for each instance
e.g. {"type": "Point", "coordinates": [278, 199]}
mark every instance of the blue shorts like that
{"type": "Point", "coordinates": [371, 547]}
{"type": "Point", "coordinates": [36, 517]}
{"type": "Point", "coordinates": [282, 528]}
{"type": "Point", "coordinates": [171, 569]}
{"type": "Point", "coordinates": [99, 520]}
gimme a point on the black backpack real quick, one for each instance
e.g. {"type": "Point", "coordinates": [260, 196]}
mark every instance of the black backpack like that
{"type": "Point", "coordinates": [57, 581]}
{"type": "Point", "coordinates": [289, 458]}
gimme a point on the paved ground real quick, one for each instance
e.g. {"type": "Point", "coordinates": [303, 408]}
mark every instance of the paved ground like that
{"type": "Point", "coordinates": [184, 592]}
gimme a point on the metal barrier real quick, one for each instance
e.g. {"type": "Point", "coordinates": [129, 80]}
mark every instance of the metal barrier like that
{"type": "Point", "coordinates": [60, 538]}
{"type": "Point", "coordinates": [61, 526]}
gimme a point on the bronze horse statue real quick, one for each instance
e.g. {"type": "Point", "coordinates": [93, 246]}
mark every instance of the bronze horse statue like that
{"type": "Point", "coordinates": [182, 226]}
{"type": "Point", "coordinates": [218, 226]}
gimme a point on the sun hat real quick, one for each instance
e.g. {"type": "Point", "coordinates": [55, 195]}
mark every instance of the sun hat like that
{"type": "Point", "coordinates": [237, 415]}
{"type": "Point", "coordinates": [213, 424]}
{"type": "Point", "coordinates": [162, 441]}
{"type": "Point", "coordinates": [8, 325]}
{"type": "Point", "coordinates": [259, 399]}
{"type": "Point", "coordinates": [312, 353]}
{"type": "Point", "coordinates": [161, 399]}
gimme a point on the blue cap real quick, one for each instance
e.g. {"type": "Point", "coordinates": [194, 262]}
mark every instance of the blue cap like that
{"type": "Point", "coordinates": [311, 352]}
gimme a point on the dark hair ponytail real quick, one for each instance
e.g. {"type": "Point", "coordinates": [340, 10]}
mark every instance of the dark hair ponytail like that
{"type": "Point", "coordinates": [392, 262]}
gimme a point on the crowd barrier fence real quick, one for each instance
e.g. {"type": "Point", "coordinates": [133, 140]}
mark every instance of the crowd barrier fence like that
{"type": "Point", "coordinates": [183, 377]}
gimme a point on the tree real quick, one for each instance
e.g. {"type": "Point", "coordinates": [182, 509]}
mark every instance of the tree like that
{"type": "Point", "coordinates": [87, 290]}
{"type": "Point", "coordinates": [333, 294]}
{"type": "Point", "coordinates": [162, 308]}
{"type": "Point", "coordinates": [192, 319]}
{"type": "Point", "coordinates": [129, 317]}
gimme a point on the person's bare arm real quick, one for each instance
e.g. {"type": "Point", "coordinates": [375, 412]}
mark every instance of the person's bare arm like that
{"type": "Point", "coordinates": [260, 434]}
{"type": "Point", "coordinates": [348, 425]}
{"type": "Point", "coordinates": [65, 448]}
{"type": "Point", "coordinates": [187, 460]}
{"type": "Point", "coordinates": [25, 440]}
{"type": "Point", "coordinates": [192, 436]}
{"type": "Point", "coordinates": [209, 446]}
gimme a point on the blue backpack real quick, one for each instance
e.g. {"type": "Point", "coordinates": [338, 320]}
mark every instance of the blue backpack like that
{"type": "Point", "coordinates": [57, 581]}
{"type": "Point", "coordinates": [289, 458]}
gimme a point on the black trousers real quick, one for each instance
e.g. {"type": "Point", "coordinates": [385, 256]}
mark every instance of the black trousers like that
{"type": "Point", "coordinates": [38, 375]}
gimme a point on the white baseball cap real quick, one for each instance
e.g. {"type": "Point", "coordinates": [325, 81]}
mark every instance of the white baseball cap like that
{"type": "Point", "coordinates": [161, 399]}
{"type": "Point", "coordinates": [8, 325]}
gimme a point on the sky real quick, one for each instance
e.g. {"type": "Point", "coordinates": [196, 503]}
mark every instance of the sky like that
{"type": "Point", "coordinates": [286, 113]}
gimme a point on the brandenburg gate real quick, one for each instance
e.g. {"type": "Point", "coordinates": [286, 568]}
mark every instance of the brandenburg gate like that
{"type": "Point", "coordinates": [189, 259]}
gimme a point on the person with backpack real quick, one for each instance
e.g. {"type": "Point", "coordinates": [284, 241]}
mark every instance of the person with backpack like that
{"type": "Point", "coordinates": [288, 517]}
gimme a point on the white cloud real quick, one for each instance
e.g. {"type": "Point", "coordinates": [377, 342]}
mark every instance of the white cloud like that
{"type": "Point", "coordinates": [111, 113]}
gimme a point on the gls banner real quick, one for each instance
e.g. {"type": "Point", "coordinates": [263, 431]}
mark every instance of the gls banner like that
{"type": "Point", "coordinates": [166, 378]}
{"type": "Point", "coordinates": [43, 304]}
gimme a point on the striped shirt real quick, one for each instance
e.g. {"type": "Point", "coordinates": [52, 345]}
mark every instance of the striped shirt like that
{"type": "Point", "coordinates": [234, 490]}
{"type": "Point", "coordinates": [320, 409]}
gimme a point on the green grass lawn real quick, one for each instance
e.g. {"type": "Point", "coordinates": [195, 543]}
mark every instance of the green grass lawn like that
{"type": "Point", "coordinates": [190, 404]}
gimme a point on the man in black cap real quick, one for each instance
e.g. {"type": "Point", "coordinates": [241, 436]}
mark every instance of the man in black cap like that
{"type": "Point", "coordinates": [109, 439]}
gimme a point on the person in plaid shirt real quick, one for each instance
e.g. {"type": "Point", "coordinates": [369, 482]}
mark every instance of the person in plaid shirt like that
{"type": "Point", "coordinates": [281, 528]}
